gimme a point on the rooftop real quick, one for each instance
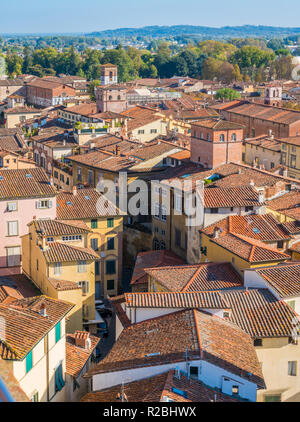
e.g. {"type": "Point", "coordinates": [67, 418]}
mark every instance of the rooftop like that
{"type": "Point", "coordinates": [166, 339]}
{"type": "Point", "coordinates": [198, 277]}
{"type": "Point", "coordinates": [25, 326]}
{"type": "Point", "coordinates": [284, 279]}
{"type": "Point", "coordinates": [26, 183]}
{"type": "Point", "coordinates": [61, 252]}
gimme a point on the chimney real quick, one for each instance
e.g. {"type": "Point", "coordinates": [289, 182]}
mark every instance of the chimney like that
{"type": "Point", "coordinates": [43, 310]}
{"type": "Point", "coordinates": [74, 190]}
{"type": "Point", "coordinates": [82, 339]}
{"type": "Point", "coordinates": [117, 150]}
{"type": "Point", "coordinates": [270, 132]}
{"type": "Point", "coordinates": [261, 196]}
{"type": "Point", "coordinates": [44, 243]}
{"type": "Point", "coordinates": [252, 183]}
{"type": "Point", "coordinates": [216, 232]}
{"type": "Point", "coordinates": [51, 181]}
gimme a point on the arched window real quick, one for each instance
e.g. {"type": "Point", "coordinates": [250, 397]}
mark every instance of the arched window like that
{"type": "Point", "coordinates": [208, 137]}
{"type": "Point", "coordinates": [162, 245]}
{"type": "Point", "coordinates": [110, 98]}
{"type": "Point", "coordinates": [222, 138]}
{"type": "Point", "coordinates": [274, 93]}
{"type": "Point", "coordinates": [233, 137]}
{"type": "Point", "coordinates": [119, 97]}
{"type": "Point", "coordinates": [156, 244]}
{"type": "Point", "coordinates": [268, 93]}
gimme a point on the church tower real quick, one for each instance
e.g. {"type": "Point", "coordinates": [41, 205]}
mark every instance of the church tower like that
{"type": "Point", "coordinates": [273, 95]}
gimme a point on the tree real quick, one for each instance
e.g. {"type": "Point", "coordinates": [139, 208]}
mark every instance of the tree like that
{"type": "Point", "coordinates": [13, 64]}
{"type": "Point", "coordinates": [27, 61]}
{"type": "Point", "coordinates": [211, 68]}
{"type": "Point", "coordinates": [227, 94]}
{"type": "Point", "coordinates": [92, 87]}
{"type": "Point", "coordinates": [227, 73]}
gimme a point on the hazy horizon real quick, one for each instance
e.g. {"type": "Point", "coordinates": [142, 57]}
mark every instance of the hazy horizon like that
{"type": "Point", "coordinates": [75, 17]}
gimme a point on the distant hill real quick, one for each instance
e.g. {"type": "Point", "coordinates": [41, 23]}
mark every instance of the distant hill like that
{"type": "Point", "coordinates": [201, 31]}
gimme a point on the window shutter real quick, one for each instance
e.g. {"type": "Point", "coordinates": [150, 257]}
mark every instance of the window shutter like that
{"type": "Point", "coordinates": [50, 204]}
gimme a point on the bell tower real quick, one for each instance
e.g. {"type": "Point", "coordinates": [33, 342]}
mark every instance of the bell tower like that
{"type": "Point", "coordinates": [273, 95]}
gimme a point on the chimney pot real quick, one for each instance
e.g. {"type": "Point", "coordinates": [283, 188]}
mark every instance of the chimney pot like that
{"type": "Point", "coordinates": [43, 310]}
{"type": "Point", "coordinates": [74, 190]}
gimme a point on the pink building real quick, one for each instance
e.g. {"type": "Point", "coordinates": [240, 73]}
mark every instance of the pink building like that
{"type": "Point", "coordinates": [24, 195]}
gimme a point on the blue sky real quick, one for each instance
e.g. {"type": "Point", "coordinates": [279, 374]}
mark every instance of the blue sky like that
{"type": "Point", "coordinates": [43, 16]}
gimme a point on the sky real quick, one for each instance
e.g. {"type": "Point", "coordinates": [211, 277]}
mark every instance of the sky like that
{"type": "Point", "coordinates": [67, 16]}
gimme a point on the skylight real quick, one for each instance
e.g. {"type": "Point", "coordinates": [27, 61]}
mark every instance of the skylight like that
{"type": "Point", "coordinates": [87, 198]}
{"type": "Point", "coordinates": [179, 392]}
{"type": "Point", "coordinates": [28, 175]}
{"type": "Point", "coordinates": [69, 203]}
{"type": "Point", "coordinates": [152, 354]}
{"type": "Point", "coordinates": [255, 230]}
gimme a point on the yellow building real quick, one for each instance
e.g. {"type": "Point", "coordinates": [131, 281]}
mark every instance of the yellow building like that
{"type": "Point", "coordinates": [56, 257]}
{"type": "Point", "coordinates": [104, 238]}
{"type": "Point", "coordinates": [246, 242]}
{"type": "Point", "coordinates": [290, 156]}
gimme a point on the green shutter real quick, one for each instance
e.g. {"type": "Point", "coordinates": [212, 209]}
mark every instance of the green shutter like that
{"type": "Point", "coordinates": [28, 362]}
{"type": "Point", "coordinates": [57, 332]}
{"type": "Point", "coordinates": [110, 222]}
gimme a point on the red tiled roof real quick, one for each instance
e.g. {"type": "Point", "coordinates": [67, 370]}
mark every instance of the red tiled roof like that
{"type": "Point", "coordinates": [152, 259]}
{"type": "Point", "coordinates": [57, 228]}
{"type": "Point", "coordinates": [198, 277]}
{"type": "Point", "coordinates": [85, 204]}
{"type": "Point", "coordinates": [61, 252]}
{"type": "Point", "coordinates": [260, 314]}
{"type": "Point", "coordinates": [284, 279]}
{"type": "Point", "coordinates": [25, 326]}
{"type": "Point", "coordinates": [25, 183]}
{"type": "Point", "coordinates": [157, 388]}
{"type": "Point", "coordinates": [240, 196]}
{"type": "Point", "coordinates": [77, 357]}
{"type": "Point", "coordinates": [205, 300]}
{"type": "Point", "coordinates": [167, 338]}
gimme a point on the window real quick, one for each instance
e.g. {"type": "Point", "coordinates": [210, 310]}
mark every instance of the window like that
{"type": "Point", "coordinates": [90, 177]}
{"type": "Point", "coordinates": [110, 284]}
{"type": "Point", "coordinates": [110, 243]}
{"type": "Point", "coordinates": [44, 204]}
{"type": "Point", "coordinates": [94, 224]}
{"type": "Point", "coordinates": [247, 209]}
{"type": "Point", "coordinates": [153, 131]}
{"type": "Point", "coordinates": [293, 161]}
{"type": "Point", "coordinates": [194, 370]}
{"type": "Point", "coordinates": [57, 332]}
{"type": "Point", "coordinates": [29, 362]}
{"type": "Point", "coordinates": [222, 138]}
{"type": "Point", "coordinates": [178, 203]}
{"type": "Point", "coordinates": [156, 210]}
{"type": "Point", "coordinates": [57, 268]}
{"type": "Point", "coordinates": [97, 267]}
{"type": "Point", "coordinates": [235, 390]}
{"type": "Point", "coordinates": [280, 244]}
{"type": "Point", "coordinates": [50, 239]}
{"type": "Point", "coordinates": [111, 266]}
{"type": "Point", "coordinates": [12, 228]}
{"type": "Point", "coordinates": [257, 342]}
{"type": "Point", "coordinates": [85, 286]}
{"type": "Point", "coordinates": [59, 381]}
{"type": "Point", "coordinates": [283, 158]}
{"type": "Point", "coordinates": [94, 244]}
{"type": "Point", "coordinates": [162, 245]}
{"type": "Point", "coordinates": [35, 397]}
{"type": "Point", "coordinates": [79, 174]}
{"type": "Point", "coordinates": [61, 178]}
{"type": "Point", "coordinates": [177, 237]}
{"type": "Point", "coordinates": [37, 264]}
{"type": "Point", "coordinates": [163, 213]}
{"type": "Point", "coordinates": [292, 368]}
{"type": "Point", "coordinates": [71, 238]}
{"type": "Point", "coordinates": [272, 165]}
{"type": "Point", "coordinates": [11, 206]}
{"type": "Point", "coordinates": [110, 222]}
{"type": "Point", "coordinates": [214, 210]}
{"type": "Point", "coordinates": [141, 132]}
{"type": "Point", "coordinates": [273, 398]}
{"type": "Point", "coordinates": [13, 255]}
{"type": "Point", "coordinates": [233, 137]}
{"type": "Point", "coordinates": [81, 268]}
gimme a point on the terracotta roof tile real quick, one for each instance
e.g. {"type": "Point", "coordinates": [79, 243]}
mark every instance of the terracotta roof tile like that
{"type": "Point", "coordinates": [24, 325]}
{"type": "Point", "coordinates": [166, 339]}
{"type": "Point", "coordinates": [240, 196]}
{"type": "Point", "coordinates": [198, 277]}
{"type": "Point", "coordinates": [284, 279]}
{"type": "Point", "coordinates": [25, 183]}
{"type": "Point", "coordinates": [57, 228]}
{"type": "Point", "coordinates": [260, 314]}
{"type": "Point", "coordinates": [76, 356]}
{"type": "Point", "coordinates": [61, 252]}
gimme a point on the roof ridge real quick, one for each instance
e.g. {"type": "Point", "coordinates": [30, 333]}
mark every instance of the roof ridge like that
{"type": "Point", "coordinates": [192, 278]}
